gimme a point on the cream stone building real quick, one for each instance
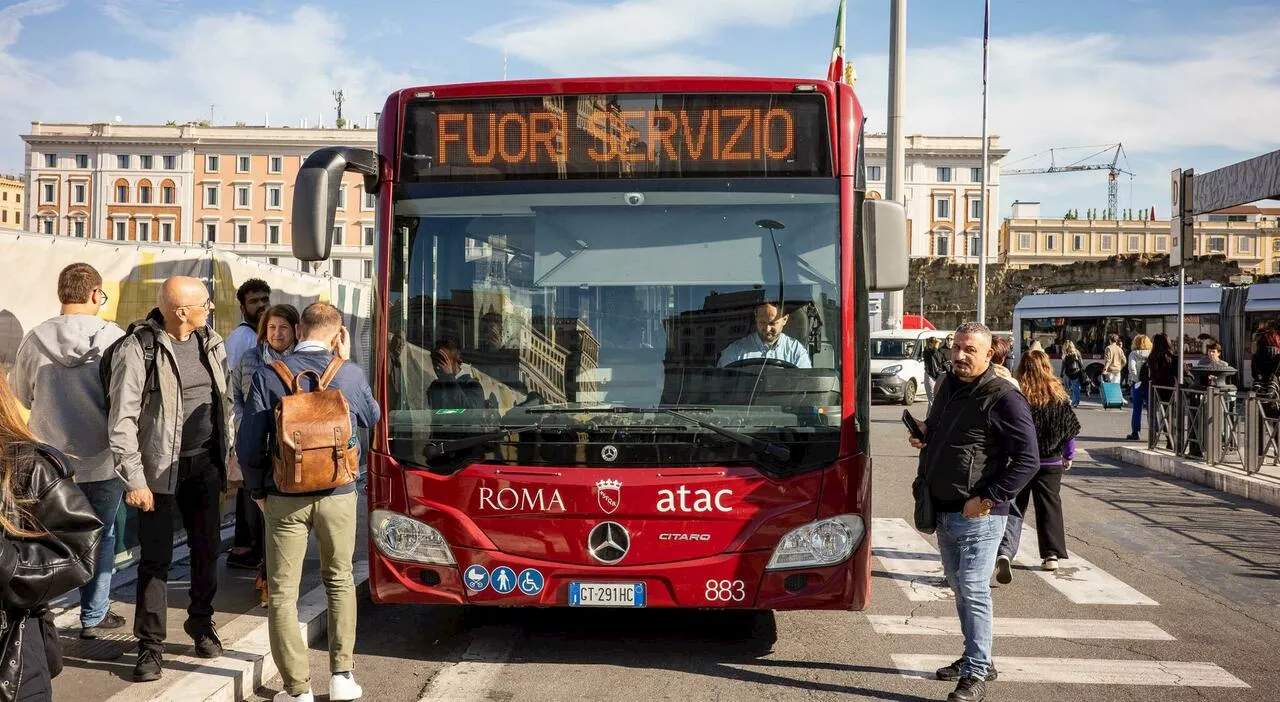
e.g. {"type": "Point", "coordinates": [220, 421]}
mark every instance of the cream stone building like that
{"type": "Point", "coordinates": [1248, 234]}
{"type": "Point", "coordinates": [12, 189]}
{"type": "Point", "coordinates": [190, 185]}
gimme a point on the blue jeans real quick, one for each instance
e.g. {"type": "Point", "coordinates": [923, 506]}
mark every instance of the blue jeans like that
{"type": "Point", "coordinates": [1139, 397]}
{"type": "Point", "coordinates": [968, 549]}
{"type": "Point", "coordinates": [1074, 387]}
{"type": "Point", "coordinates": [95, 596]}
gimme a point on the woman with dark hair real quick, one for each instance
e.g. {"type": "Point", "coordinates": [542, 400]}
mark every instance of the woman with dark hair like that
{"type": "Point", "coordinates": [1162, 372]}
{"type": "Point", "coordinates": [1056, 431]}
{"type": "Point", "coordinates": [49, 538]}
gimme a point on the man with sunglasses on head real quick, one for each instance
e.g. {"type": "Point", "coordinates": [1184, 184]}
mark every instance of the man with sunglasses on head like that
{"type": "Point", "coordinates": [55, 375]}
{"type": "Point", "coordinates": [170, 427]}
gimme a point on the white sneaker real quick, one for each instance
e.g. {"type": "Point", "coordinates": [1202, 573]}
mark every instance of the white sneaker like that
{"type": "Point", "coordinates": [284, 696]}
{"type": "Point", "coordinates": [343, 687]}
{"type": "Point", "coordinates": [1050, 563]}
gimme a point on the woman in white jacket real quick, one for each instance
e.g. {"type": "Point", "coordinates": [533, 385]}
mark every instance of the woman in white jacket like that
{"type": "Point", "coordinates": [1138, 389]}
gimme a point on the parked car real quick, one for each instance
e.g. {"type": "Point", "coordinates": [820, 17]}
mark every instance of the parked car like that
{"type": "Point", "coordinates": [897, 364]}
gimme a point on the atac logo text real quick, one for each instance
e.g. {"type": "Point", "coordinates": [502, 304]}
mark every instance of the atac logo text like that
{"type": "Point", "coordinates": [609, 495]}
{"type": "Point", "coordinates": [682, 499]}
{"type": "Point", "coordinates": [511, 499]}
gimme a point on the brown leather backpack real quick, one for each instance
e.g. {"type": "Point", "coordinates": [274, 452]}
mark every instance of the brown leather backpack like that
{"type": "Point", "coordinates": [315, 449]}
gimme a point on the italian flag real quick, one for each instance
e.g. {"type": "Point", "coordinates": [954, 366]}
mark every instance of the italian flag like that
{"type": "Point", "coordinates": [840, 70]}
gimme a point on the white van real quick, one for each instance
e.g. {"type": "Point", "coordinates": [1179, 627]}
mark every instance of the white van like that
{"type": "Point", "coordinates": [897, 364]}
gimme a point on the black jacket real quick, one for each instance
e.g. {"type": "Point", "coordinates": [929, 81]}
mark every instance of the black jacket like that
{"type": "Point", "coordinates": [35, 571]}
{"type": "Point", "coordinates": [934, 362]}
{"type": "Point", "coordinates": [981, 443]}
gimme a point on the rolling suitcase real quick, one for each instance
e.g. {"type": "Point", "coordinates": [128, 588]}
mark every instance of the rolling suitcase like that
{"type": "Point", "coordinates": [1111, 396]}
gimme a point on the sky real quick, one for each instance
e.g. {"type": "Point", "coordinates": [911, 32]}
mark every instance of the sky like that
{"type": "Point", "coordinates": [1180, 83]}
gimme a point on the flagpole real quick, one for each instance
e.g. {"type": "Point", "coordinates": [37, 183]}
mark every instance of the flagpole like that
{"type": "Point", "coordinates": [982, 214]}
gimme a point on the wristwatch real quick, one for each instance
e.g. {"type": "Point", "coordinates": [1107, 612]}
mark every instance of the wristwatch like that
{"type": "Point", "coordinates": [987, 503]}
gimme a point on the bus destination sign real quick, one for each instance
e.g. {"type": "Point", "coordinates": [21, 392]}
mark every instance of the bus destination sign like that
{"type": "Point", "coordinates": [627, 136]}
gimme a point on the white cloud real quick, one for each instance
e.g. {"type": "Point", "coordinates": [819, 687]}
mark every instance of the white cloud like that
{"type": "Point", "coordinates": [11, 17]}
{"type": "Point", "coordinates": [639, 36]}
{"type": "Point", "coordinates": [245, 65]}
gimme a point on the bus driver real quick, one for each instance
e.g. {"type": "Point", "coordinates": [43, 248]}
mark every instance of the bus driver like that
{"type": "Point", "coordinates": [767, 341]}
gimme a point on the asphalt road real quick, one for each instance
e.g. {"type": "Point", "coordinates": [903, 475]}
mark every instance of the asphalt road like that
{"type": "Point", "coordinates": [1173, 593]}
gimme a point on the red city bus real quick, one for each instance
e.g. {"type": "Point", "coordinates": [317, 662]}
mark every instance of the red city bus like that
{"type": "Point", "coordinates": [579, 408]}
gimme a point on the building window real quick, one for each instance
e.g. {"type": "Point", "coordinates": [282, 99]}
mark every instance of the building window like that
{"type": "Point", "coordinates": [874, 173]}
{"type": "Point", "coordinates": [144, 231]}
{"type": "Point", "coordinates": [1077, 242]}
{"type": "Point", "coordinates": [342, 198]}
{"type": "Point", "coordinates": [77, 228]}
{"type": "Point", "coordinates": [47, 192]}
{"type": "Point", "coordinates": [370, 200]}
{"type": "Point", "coordinates": [122, 230]}
{"type": "Point", "coordinates": [1243, 246]}
{"type": "Point", "coordinates": [1275, 245]}
{"type": "Point", "coordinates": [48, 225]}
{"type": "Point", "coordinates": [50, 160]}
{"type": "Point", "coordinates": [170, 163]}
{"type": "Point", "coordinates": [79, 193]}
{"type": "Point", "coordinates": [211, 232]}
{"type": "Point", "coordinates": [211, 163]}
{"type": "Point", "coordinates": [273, 261]}
{"type": "Point", "coordinates": [1217, 244]}
{"type": "Point", "coordinates": [273, 234]}
{"type": "Point", "coordinates": [368, 236]}
{"type": "Point", "coordinates": [122, 161]}
{"type": "Point", "coordinates": [1108, 241]}
{"type": "Point", "coordinates": [274, 198]}
{"type": "Point", "coordinates": [122, 193]}
{"type": "Point", "coordinates": [275, 164]}
{"type": "Point", "coordinates": [242, 233]}
{"type": "Point", "coordinates": [975, 245]}
{"type": "Point", "coordinates": [144, 194]}
{"type": "Point", "coordinates": [337, 234]}
{"type": "Point", "coordinates": [1135, 243]}
{"type": "Point", "coordinates": [242, 164]}
{"type": "Point", "coordinates": [166, 231]}
{"type": "Point", "coordinates": [4, 215]}
{"type": "Point", "coordinates": [368, 269]}
{"type": "Point", "coordinates": [975, 175]}
{"type": "Point", "coordinates": [148, 161]}
{"type": "Point", "coordinates": [166, 194]}
{"type": "Point", "coordinates": [944, 174]}
{"type": "Point", "coordinates": [1162, 242]}
{"type": "Point", "coordinates": [942, 208]}
{"type": "Point", "coordinates": [942, 244]}
{"type": "Point", "coordinates": [1024, 241]}
{"type": "Point", "coordinates": [335, 268]}
{"type": "Point", "coordinates": [242, 196]}
{"type": "Point", "coordinates": [1050, 242]}
{"type": "Point", "coordinates": [210, 196]}
{"type": "Point", "coordinates": [975, 209]}
{"type": "Point", "coordinates": [82, 160]}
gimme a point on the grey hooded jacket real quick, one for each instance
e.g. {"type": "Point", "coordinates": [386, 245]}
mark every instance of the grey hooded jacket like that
{"type": "Point", "coordinates": [55, 376]}
{"type": "Point", "coordinates": [145, 425]}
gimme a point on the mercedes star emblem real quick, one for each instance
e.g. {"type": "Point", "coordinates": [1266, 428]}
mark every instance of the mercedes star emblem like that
{"type": "Point", "coordinates": [608, 542]}
{"type": "Point", "coordinates": [609, 453]}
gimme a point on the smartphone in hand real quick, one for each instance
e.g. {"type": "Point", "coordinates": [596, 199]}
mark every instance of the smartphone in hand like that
{"type": "Point", "coordinates": [913, 426]}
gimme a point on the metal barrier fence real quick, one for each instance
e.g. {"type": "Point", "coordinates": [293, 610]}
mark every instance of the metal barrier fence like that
{"type": "Point", "coordinates": [1218, 425]}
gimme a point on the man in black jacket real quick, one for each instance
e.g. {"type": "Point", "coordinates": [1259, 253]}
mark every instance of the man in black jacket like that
{"type": "Point", "coordinates": [979, 452]}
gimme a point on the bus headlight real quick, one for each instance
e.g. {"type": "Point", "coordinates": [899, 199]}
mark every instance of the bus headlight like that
{"type": "Point", "coordinates": [821, 543]}
{"type": "Point", "coordinates": [407, 539]}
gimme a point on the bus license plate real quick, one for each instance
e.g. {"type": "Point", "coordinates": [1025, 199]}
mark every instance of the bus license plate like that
{"type": "Point", "coordinates": [606, 595]}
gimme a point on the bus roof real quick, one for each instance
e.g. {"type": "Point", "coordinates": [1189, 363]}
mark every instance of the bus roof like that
{"type": "Point", "coordinates": [1200, 299]}
{"type": "Point", "coordinates": [621, 84]}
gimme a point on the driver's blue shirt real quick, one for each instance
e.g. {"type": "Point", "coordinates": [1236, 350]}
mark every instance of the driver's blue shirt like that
{"type": "Point", "coordinates": [752, 346]}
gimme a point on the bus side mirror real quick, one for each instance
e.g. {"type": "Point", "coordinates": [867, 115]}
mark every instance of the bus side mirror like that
{"type": "Point", "coordinates": [884, 245]}
{"type": "Point", "coordinates": [315, 196]}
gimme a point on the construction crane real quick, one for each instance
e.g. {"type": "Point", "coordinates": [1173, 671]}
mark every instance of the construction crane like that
{"type": "Point", "coordinates": [1116, 151]}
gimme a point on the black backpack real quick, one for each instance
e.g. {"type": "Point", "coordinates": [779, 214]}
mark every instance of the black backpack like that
{"type": "Point", "coordinates": [146, 335]}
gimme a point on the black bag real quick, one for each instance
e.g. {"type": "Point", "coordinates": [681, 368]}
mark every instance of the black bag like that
{"type": "Point", "coordinates": [52, 645]}
{"type": "Point", "coordinates": [147, 337]}
{"type": "Point", "coordinates": [926, 518]}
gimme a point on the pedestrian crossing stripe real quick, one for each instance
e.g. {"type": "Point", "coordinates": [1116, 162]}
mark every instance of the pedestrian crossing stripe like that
{"type": "Point", "coordinates": [909, 559]}
{"type": "Point", "coordinates": [1081, 581]}
{"type": "Point", "coordinates": [1082, 671]}
{"type": "Point", "coordinates": [1014, 627]}
{"type": "Point", "coordinates": [915, 564]}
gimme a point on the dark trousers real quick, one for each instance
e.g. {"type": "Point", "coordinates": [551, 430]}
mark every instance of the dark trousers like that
{"type": "Point", "coordinates": [249, 524]}
{"type": "Point", "coordinates": [196, 501]}
{"type": "Point", "coordinates": [1045, 490]}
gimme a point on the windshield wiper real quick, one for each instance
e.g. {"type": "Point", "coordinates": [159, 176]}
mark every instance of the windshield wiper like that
{"type": "Point", "coordinates": [445, 448]}
{"type": "Point", "coordinates": [775, 451]}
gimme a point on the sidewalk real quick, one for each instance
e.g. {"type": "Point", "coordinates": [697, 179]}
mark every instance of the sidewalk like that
{"type": "Point", "coordinates": [1103, 432]}
{"type": "Point", "coordinates": [102, 669]}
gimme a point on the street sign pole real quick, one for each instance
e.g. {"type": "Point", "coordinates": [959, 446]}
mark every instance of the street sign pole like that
{"type": "Point", "coordinates": [1181, 228]}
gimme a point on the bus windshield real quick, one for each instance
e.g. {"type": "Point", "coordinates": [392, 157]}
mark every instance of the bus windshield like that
{"type": "Point", "coordinates": [522, 303]}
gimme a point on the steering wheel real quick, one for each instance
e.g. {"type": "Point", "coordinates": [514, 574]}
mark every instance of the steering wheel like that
{"type": "Point", "coordinates": [761, 361]}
